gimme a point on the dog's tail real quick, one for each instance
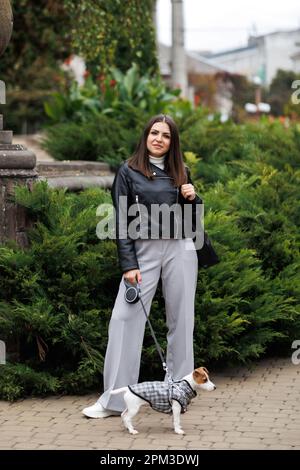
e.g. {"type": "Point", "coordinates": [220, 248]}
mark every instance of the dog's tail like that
{"type": "Point", "coordinates": [118, 390]}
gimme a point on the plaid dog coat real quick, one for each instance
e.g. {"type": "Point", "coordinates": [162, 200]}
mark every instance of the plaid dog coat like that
{"type": "Point", "coordinates": [159, 395]}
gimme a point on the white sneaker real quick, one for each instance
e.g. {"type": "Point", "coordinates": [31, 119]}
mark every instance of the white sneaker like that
{"type": "Point", "coordinates": [97, 411]}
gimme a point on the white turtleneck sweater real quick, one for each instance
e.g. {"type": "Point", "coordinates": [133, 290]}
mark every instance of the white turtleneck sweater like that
{"type": "Point", "coordinates": [158, 161]}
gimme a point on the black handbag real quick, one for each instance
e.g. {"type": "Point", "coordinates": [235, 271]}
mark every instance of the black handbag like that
{"type": "Point", "coordinates": [206, 255]}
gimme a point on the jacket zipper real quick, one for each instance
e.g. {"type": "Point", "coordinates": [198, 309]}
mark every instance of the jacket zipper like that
{"type": "Point", "coordinates": [177, 191]}
{"type": "Point", "coordinates": [138, 205]}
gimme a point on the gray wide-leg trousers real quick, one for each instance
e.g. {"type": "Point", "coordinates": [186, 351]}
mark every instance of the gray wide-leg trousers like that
{"type": "Point", "coordinates": [176, 262]}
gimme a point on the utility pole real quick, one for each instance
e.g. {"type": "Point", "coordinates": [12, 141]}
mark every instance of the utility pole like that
{"type": "Point", "coordinates": [154, 18]}
{"type": "Point", "coordinates": [154, 12]}
{"type": "Point", "coordinates": [155, 26]}
{"type": "Point", "coordinates": [179, 74]}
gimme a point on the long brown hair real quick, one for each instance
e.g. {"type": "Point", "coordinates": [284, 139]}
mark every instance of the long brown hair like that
{"type": "Point", "coordinates": [174, 165]}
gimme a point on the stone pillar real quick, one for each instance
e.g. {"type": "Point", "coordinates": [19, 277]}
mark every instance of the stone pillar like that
{"type": "Point", "coordinates": [17, 164]}
{"type": "Point", "coordinates": [17, 167]}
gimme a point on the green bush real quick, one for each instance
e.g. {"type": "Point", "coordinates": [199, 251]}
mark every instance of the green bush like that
{"type": "Point", "coordinates": [127, 97]}
{"type": "Point", "coordinates": [55, 303]}
{"type": "Point", "coordinates": [101, 138]}
{"type": "Point", "coordinates": [224, 148]}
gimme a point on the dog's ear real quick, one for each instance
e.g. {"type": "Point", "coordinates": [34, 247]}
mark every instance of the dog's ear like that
{"type": "Point", "coordinates": [205, 370]}
{"type": "Point", "coordinates": [196, 374]}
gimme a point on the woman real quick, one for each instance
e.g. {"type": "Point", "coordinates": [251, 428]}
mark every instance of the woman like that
{"type": "Point", "coordinates": [152, 247]}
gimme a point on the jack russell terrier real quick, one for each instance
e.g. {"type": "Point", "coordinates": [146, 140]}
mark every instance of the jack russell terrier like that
{"type": "Point", "coordinates": [165, 397]}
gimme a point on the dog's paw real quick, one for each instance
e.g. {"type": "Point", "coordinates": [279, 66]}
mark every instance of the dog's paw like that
{"type": "Point", "coordinates": [133, 431]}
{"type": "Point", "coordinates": [179, 431]}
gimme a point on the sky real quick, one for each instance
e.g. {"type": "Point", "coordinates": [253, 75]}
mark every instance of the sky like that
{"type": "Point", "coordinates": [218, 25]}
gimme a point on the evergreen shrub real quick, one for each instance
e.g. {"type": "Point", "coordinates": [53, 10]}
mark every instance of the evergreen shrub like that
{"type": "Point", "coordinates": [101, 138]}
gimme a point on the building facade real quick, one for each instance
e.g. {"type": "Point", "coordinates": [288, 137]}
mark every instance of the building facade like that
{"type": "Point", "coordinates": [263, 56]}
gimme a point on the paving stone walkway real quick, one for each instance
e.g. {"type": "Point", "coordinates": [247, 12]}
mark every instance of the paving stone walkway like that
{"type": "Point", "coordinates": [250, 409]}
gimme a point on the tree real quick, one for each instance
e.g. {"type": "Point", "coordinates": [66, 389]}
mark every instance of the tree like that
{"type": "Point", "coordinates": [105, 32]}
{"type": "Point", "coordinates": [40, 39]}
{"type": "Point", "coordinates": [114, 33]}
{"type": "Point", "coordinates": [280, 92]}
{"type": "Point", "coordinates": [30, 65]}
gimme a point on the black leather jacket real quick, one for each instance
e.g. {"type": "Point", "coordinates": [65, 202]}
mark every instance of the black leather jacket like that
{"type": "Point", "coordinates": [144, 192]}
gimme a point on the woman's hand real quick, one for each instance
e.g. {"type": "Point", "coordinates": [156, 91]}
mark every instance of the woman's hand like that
{"type": "Point", "coordinates": [188, 191]}
{"type": "Point", "coordinates": [133, 275]}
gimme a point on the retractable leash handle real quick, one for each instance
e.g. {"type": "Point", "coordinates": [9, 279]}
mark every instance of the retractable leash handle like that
{"type": "Point", "coordinates": [132, 292]}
